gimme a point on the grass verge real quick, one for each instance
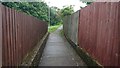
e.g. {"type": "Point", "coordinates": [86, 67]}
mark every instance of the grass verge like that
{"type": "Point", "coordinates": [53, 28]}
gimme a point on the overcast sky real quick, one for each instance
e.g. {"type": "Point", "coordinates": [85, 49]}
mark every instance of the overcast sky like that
{"type": "Point", "coordinates": [61, 3]}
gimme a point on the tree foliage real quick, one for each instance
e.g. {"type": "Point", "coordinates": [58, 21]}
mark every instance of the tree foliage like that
{"type": "Point", "coordinates": [36, 9]}
{"type": "Point", "coordinates": [67, 10]}
{"type": "Point", "coordinates": [86, 2]}
{"type": "Point", "coordinates": [42, 11]}
{"type": "Point", "coordinates": [54, 16]}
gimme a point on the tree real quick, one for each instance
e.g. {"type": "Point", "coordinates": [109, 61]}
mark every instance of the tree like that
{"type": "Point", "coordinates": [86, 2]}
{"type": "Point", "coordinates": [67, 10]}
{"type": "Point", "coordinates": [36, 9]}
{"type": "Point", "coordinates": [54, 17]}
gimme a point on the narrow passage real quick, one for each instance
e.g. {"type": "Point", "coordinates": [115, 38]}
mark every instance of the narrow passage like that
{"type": "Point", "coordinates": [58, 52]}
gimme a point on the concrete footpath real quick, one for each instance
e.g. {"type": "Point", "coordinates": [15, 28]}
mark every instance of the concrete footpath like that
{"type": "Point", "coordinates": [58, 52]}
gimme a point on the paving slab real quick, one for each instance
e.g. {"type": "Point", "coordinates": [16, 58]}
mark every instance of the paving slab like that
{"type": "Point", "coordinates": [58, 52]}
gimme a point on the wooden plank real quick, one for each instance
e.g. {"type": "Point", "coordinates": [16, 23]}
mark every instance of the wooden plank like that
{"type": "Point", "coordinates": [0, 36]}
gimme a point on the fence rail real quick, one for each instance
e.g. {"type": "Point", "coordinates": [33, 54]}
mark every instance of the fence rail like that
{"type": "Point", "coordinates": [98, 31]}
{"type": "Point", "coordinates": [20, 33]}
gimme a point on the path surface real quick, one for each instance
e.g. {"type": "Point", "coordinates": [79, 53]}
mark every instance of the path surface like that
{"type": "Point", "coordinates": [58, 52]}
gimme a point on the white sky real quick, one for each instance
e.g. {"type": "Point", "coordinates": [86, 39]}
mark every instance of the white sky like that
{"type": "Point", "coordinates": [61, 3]}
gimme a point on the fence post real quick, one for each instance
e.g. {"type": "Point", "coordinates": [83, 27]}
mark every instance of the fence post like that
{"type": "Point", "coordinates": [0, 36]}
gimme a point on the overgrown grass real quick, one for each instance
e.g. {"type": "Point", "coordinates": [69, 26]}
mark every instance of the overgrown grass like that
{"type": "Point", "coordinates": [53, 28]}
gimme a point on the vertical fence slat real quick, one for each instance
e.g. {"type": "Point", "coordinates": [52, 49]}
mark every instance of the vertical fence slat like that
{"type": "Point", "coordinates": [119, 33]}
{"type": "Point", "coordinates": [1, 35]}
{"type": "Point", "coordinates": [17, 55]}
{"type": "Point", "coordinates": [4, 46]}
{"type": "Point", "coordinates": [8, 37]}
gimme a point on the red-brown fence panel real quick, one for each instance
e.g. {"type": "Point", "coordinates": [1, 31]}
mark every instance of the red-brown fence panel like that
{"type": "Point", "coordinates": [98, 32]}
{"type": "Point", "coordinates": [0, 36]}
{"type": "Point", "coordinates": [119, 34]}
{"type": "Point", "coordinates": [20, 33]}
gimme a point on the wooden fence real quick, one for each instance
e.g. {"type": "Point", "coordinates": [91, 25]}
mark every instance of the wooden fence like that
{"type": "Point", "coordinates": [71, 27]}
{"type": "Point", "coordinates": [99, 32]}
{"type": "Point", "coordinates": [20, 34]}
